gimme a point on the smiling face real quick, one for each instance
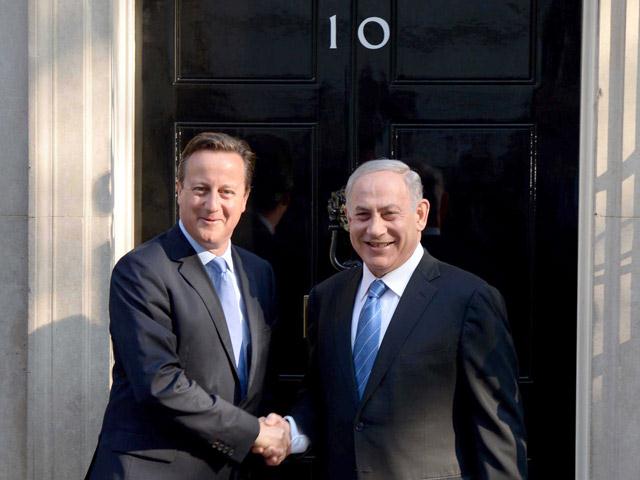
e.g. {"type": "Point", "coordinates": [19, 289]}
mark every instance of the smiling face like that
{"type": "Point", "coordinates": [212, 197]}
{"type": "Point", "coordinates": [384, 223]}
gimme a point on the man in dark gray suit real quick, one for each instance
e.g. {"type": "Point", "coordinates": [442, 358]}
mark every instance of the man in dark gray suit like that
{"type": "Point", "coordinates": [413, 371]}
{"type": "Point", "coordinates": [190, 322]}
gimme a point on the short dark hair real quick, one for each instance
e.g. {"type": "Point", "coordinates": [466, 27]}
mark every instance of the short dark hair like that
{"type": "Point", "coordinates": [218, 142]}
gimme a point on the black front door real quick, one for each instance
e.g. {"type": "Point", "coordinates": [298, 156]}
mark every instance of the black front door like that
{"type": "Point", "coordinates": [481, 96]}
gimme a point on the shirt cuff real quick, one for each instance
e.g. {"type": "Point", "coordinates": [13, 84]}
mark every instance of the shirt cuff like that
{"type": "Point", "coordinates": [299, 441]}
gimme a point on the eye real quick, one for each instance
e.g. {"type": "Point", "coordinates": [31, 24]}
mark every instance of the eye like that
{"type": "Point", "coordinates": [199, 190]}
{"type": "Point", "coordinates": [389, 215]}
{"type": "Point", "coordinates": [227, 192]}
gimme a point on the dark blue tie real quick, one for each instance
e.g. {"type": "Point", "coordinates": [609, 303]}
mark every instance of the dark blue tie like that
{"type": "Point", "coordinates": [365, 347]}
{"type": "Point", "coordinates": [238, 330]}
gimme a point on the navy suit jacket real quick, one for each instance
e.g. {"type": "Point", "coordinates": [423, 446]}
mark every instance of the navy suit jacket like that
{"type": "Point", "coordinates": [175, 392]}
{"type": "Point", "coordinates": [442, 399]}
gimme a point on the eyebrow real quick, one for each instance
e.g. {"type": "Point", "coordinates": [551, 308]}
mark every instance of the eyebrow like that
{"type": "Point", "coordinates": [207, 184]}
{"type": "Point", "coordinates": [392, 206]}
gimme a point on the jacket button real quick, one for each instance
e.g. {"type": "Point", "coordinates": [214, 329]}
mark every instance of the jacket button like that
{"type": "Point", "coordinates": [359, 426]}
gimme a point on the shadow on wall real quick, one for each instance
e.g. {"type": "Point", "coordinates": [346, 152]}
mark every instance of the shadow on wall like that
{"type": "Point", "coordinates": [70, 363]}
{"type": "Point", "coordinates": [68, 407]}
{"type": "Point", "coordinates": [616, 291]}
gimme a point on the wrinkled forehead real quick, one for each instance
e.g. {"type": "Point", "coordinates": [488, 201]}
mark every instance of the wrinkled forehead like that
{"type": "Point", "coordinates": [378, 190]}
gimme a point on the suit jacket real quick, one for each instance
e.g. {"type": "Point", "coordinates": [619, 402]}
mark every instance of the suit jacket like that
{"type": "Point", "coordinates": [442, 399]}
{"type": "Point", "coordinates": [174, 410]}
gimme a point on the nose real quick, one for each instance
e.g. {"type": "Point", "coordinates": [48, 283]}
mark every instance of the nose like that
{"type": "Point", "coordinates": [212, 202]}
{"type": "Point", "coordinates": [375, 228]}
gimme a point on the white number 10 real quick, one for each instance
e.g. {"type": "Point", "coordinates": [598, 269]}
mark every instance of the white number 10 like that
{"type": "Point", "coordinates": [386, 33]}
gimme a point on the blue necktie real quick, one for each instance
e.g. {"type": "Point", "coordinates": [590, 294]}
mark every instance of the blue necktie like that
{"type": "Point", "coordinates": [365, 347]}
{"type": "Point", "coordinates": [238, 330]}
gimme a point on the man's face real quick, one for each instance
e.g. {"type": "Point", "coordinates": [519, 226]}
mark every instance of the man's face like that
{"type": "Point", "coordinates": [212, 197]}
{"type": "Point", "coordinates": [384, 226]}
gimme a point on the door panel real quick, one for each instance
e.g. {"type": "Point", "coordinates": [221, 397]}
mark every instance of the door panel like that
{"type": "Point", "coordinates": [462, 41]}
{"type": "Point", "coordinates": [480, 96]}
{"type": "Point", "coordinates": [247, 40]}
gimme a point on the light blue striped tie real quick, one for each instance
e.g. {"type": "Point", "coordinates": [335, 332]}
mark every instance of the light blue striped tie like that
{"type": "Point", "coordinates": [365, 347]}
{"type": "Point", "coordinates": [238, 330]}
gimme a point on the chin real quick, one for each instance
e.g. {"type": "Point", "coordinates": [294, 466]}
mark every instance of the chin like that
{"type": "Point", "coordinates": [378, 269]}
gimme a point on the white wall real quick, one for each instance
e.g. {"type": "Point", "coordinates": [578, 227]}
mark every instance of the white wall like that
{"type": "Point", "coordinates": [609, 323]}
{"type": "Point", "coordinates": [71, 231]}
{"type": "Point", "coordinates": [14, 191]}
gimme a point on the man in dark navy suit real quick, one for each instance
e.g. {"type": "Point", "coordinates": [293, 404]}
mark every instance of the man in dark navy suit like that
{"type": "Point", "coordinates": [413, 372]}
{"type": "Point", "coordinates": [191, 318]}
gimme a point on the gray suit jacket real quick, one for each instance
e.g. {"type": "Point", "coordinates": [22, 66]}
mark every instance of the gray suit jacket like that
{"type": "Point", "coordinates": [174, 410]}
{"type": "Point", "coordinates": [442, 400]}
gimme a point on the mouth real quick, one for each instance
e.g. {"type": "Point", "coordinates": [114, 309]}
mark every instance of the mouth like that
{"type": "Point", "coordinates": [380, 245]}
{"type": "Point", "coordinates": [210, 220]}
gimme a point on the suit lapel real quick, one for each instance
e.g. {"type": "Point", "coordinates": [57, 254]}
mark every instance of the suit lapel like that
{"type": "Point", "coordinates": [254, 315]}
{"type": "Point", "coordinates": [192, 270]}
{"type": "Point", "coordinates": [410, 309]}
{"type": "Point", "coordinates": [343, 318]}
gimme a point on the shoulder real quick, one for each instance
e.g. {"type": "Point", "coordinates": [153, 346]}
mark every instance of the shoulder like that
{"type": "Point", "coordinates": [150, 255]}
{"type": "Point", "coordinates": [472, 291]}
{"type": "Point", "coordinates": [145, 251]}
{"type": "Point", "coordinates": [450, 274]}
{"type": "Point", "coordinates": [462, 286]}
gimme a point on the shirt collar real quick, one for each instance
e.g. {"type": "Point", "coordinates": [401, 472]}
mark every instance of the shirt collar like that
{"type": "Point", "coordinates": [397, 279]}
{"type": "Point", "coordinates": [205, 255]}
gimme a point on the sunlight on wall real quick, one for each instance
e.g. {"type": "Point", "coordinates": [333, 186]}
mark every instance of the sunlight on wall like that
{"type": "Point", "coordinates": [624, 332]}
{"type": "Point", "coordinates": [603, 79]}
{"type": "Point", "coordinates": [615, 365]}
{"type": "Point", "coordinates": [600, 225]}
{"type": "Point", "coordinates": [630, 78]}
{"type": "Point", "coordinates": [598, 320]}
{"type": "Point", "coordinates": [628, 200]}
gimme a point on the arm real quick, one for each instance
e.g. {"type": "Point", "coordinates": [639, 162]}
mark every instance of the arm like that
{"type": "Point", "coordinates": [145, 346]}
{"type": "Point", "coordinates": [490, 368]}
{"type": "Point", "coordinates": [299, 441]}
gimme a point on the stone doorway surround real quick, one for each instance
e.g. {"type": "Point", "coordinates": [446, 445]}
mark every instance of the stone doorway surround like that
{"type": "Point", "coordinates": [81, 207]}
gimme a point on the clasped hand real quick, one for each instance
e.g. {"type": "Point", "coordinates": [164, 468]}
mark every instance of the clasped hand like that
{"type": "Point", "coordinates": [274, 439]}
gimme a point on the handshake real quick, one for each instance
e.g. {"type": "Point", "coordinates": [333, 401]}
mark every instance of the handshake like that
{"type": "Point", "coordinates": [274, 439]}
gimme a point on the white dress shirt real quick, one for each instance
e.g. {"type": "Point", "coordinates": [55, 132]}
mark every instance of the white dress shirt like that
{"type": "Point", "coordinates": [396, 281]}
{"type": "Point", "coordinates": [205, 257]}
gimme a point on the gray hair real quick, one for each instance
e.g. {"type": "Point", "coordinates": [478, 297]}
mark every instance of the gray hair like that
{"type": "Point", "coordinates": [411, 178]}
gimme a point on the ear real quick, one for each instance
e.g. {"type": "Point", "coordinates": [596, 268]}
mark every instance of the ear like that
{"type": "Point", "coordinates": [178, 191]}
{"type": "Point", "coordinates": [347, 213]}
{"type": "Point", "coordinates": [245, 198]}
{"type": "Point", "coordinates": [422, 212]}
